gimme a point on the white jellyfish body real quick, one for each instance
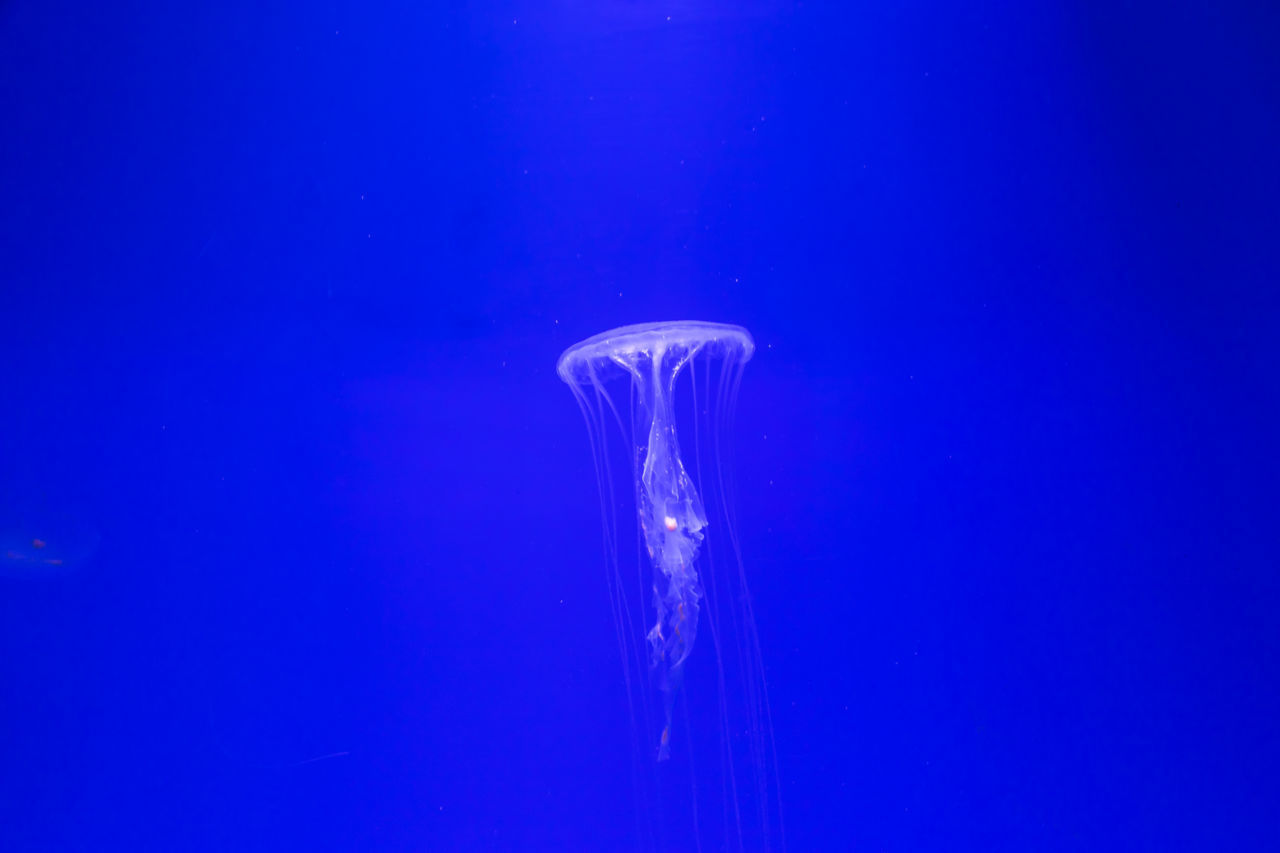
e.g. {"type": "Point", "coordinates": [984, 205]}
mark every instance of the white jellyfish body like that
{"type": "Point", "coordinates": [673, 521]}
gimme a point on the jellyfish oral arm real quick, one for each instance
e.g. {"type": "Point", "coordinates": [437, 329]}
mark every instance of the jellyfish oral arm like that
{"type": "Point", "coordinates": [671, 519]}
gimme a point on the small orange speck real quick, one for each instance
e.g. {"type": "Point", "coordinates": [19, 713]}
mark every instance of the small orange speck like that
{"type": "Point", "coordinates": [38, 543]}
{"type": "Point", "coordinates": [671, 523]}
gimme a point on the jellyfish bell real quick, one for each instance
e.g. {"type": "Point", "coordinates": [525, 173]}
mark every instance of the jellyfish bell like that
{"type": "Point", "coordinates": [691, 575]}
{"type": "Point", "coordinates": [629, 346]}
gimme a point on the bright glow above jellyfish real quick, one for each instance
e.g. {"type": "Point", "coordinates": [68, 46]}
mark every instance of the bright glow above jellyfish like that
{"type": "Point", "coordinates": [683, 582]}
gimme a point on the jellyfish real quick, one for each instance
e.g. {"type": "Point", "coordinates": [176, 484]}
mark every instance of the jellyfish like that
{"type": "Point", "coordinates": [687, 543]}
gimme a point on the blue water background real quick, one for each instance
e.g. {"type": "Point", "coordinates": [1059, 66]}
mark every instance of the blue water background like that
{"type": "Point", "coordinates": [282, 287]}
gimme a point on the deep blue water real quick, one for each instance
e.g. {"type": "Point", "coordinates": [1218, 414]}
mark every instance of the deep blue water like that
{"type": "Point", "coordinates": [282, 287]}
